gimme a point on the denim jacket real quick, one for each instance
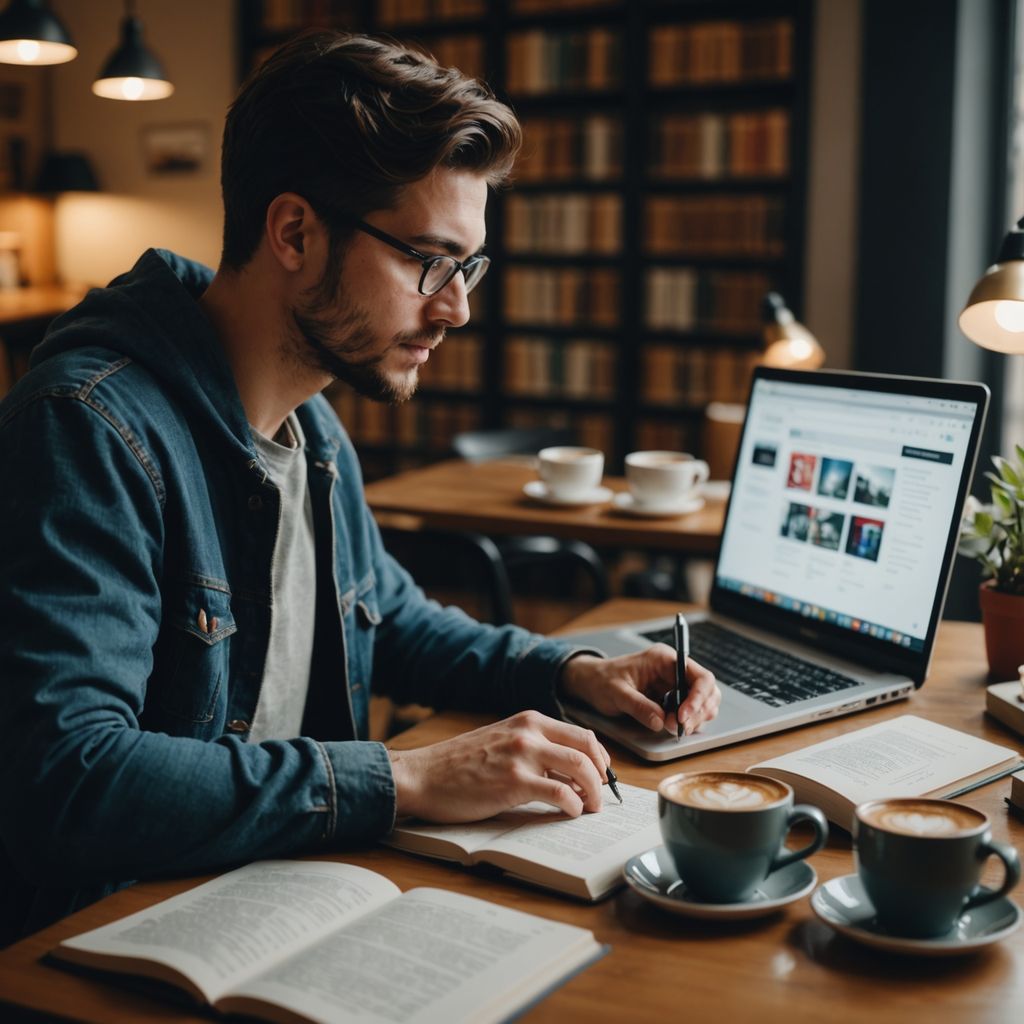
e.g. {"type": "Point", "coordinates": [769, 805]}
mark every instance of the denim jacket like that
{"type": "Point", "coordinates": [137, 526]}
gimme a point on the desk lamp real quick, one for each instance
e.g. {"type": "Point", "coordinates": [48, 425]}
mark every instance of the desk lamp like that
{"type": "Point", "coordinates": [994, 315]}
{"type": "Point", "coordinates": [787, 343]}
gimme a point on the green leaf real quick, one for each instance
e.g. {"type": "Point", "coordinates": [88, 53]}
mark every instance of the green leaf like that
{"type": "Point", "coordinates": [1006, 471]}
{"type": "Point", "coordinates": [983, 524]}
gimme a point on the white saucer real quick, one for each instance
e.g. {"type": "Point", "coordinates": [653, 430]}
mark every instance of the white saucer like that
{"type": "Point", "coordinates": [538, 490]}
{"type": "Point", "coordinates": [843, 904]}
{"type": "Point", "coordinates": [625, 502]}
{"type": "Point", "coordinates": [654, 877]}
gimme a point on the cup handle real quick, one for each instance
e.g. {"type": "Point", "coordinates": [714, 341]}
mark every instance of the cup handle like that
{"type": "Point", "coordinates": [703, 472]}
{"type": "Point", "coordinates": [804, 812]}
{"type": "Point", "coordinates": [1011, 864]}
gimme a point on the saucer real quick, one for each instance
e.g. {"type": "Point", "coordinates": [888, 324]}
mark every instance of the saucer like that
{"type": "Point", "coordinates": [653, 876]}
{"type": "Point", "coordinates": [538, 490]}
{"type": "Point", "coordinates": [625, 502]}
{"type": "Point", "coordinates": [843, 904]}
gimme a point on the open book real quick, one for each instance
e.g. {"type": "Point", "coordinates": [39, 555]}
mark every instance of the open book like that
{"type": "Point", "coordinates": [580, 857]}
{"type": "Point", "coordinates": [905, 756]}
{"type": "Point", "coordinates": [296, 941]}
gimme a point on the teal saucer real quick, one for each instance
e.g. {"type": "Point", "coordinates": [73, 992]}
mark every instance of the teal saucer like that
{"type": "Point", "coordinates": [843, 904]}
{"type": "Point", "coordinates": [653, 876]}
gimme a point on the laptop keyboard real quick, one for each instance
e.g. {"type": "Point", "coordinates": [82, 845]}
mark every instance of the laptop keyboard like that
{"type": "Point", "coordinates": [764, 673]}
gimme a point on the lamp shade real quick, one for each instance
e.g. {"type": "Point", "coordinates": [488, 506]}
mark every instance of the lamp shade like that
{"type": "Point", "coordinates": [30, 33]}
{"type": "Point", "coordinates": [787, 342]}
{"type": "Point", "coordinates": [132, 72]}
{"type": "Point", "coordinates": [66, 172]}
{"type": "Point", "coordinates": [994, 315]}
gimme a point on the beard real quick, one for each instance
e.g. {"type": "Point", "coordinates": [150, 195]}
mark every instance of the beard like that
{"type": "Point", "coordinates": [335, 338]}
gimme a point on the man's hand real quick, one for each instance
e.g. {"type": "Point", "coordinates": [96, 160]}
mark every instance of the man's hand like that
{"type": "Point", "coordinates": [481, 773]}
{"type": "Point", "coordinates": [633, 684]}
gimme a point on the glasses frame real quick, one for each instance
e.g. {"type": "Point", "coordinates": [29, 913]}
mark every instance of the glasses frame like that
{"type": "Point", "coordinates": [429, 262]}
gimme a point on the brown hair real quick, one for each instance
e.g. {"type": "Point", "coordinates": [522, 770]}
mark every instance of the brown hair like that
{"type": "Point", "coordinates": [346, 121]}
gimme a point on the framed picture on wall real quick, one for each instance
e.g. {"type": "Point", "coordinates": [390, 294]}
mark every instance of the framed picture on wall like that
{"type": "Point", "coordinates": [176, 149]}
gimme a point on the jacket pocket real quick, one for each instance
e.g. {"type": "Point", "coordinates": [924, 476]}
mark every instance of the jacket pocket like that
{"type": "Point", "coordinates": [360, 629]}
{"type": "Point", "coordinates": [191, 658]}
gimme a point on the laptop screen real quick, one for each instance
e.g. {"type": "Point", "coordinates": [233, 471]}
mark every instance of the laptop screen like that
{"type": "Point", "coordinates": [846, 501]}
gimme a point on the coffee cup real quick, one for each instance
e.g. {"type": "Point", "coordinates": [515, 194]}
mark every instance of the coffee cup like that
{"type": "Point", "coordinates": [920, 862]}
{"type": "Point", "coordinates": [663, 478]}
{"type": "Point", "coordinates": [725, 831]}
{"type": "Point", "coordinates": [569, 471]}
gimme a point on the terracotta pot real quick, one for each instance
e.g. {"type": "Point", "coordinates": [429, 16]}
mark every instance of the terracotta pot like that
{"type": "Point", "coordinates": [1003, 618]}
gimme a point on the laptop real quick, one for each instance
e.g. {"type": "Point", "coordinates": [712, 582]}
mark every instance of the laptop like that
{"type": "Point", "coordinates": [836, 553]}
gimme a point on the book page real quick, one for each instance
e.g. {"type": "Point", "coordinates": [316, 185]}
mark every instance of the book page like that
{"type": "Point", "coordinates": [429, 956]}
{"type": "Point", "coordinates": [586, 846]}
{"type": "Point", "coordinates": [227, 929]}
{"type": "Point", "coordinates": [905, 756]}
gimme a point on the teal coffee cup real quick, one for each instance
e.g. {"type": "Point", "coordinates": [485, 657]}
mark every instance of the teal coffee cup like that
{"type": "Point", "coordinates": [726, 831]}
{"type": "Point", "coordinates": [920, 862]}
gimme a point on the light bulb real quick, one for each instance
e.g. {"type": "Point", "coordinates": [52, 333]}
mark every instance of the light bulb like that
{"type": "Point", "coordinates": [132, 88]}
{"type": "Point", "coordinates": [800, 347]}
{"type": "Point", "coordinates": [1009, 314]}
{"type": "Point", "coordinates": [28, 50]}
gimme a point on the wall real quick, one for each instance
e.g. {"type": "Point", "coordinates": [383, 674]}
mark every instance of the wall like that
{"type": "Point", "coordinates": [832, 199]}
{"type": "Point", "coordinates": [99, 236]}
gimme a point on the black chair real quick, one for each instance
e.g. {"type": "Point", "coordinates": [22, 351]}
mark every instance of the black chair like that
{"type": "Point", "coordinates": [462, 568]}
{"type": "Point", "coordinates": [533, 555]}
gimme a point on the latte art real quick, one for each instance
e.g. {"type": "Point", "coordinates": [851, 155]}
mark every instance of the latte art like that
{"type": "Point", "coordinates": [924, 818]}
{"type": "Point", "coordinates": [724, 791]}
{"type": "Point", "coordinates": [918, 824]}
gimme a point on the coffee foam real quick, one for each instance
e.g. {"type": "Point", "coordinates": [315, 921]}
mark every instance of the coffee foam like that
{"type": "Point", "coordinates": [923, 818]}
{"type": "Point", "coordinates": [724, 791]}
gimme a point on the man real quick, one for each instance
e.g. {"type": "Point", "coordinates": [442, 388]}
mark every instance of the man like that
{"type": "Point", "coordinates": [194, 600]}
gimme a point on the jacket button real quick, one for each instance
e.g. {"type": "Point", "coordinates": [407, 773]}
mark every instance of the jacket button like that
{"type": "Point", "coordinates": [255, 503]}
{"type": "Point", "coordinates": [238, 725]}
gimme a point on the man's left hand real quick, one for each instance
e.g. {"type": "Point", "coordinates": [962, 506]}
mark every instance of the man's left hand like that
{"type": "Point", "coordinates": [634, 684]}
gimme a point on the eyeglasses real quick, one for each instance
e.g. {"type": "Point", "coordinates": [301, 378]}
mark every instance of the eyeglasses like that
{"type": "Point", "coordinates": [437, 270]}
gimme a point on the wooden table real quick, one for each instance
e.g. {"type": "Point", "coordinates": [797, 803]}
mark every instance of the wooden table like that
{"type": "Point", "coordinates": [487, 497]}
{"type": "Point", "coordinates": [787, 967]}
{"type": "Point", "coordinates": [24, 315]}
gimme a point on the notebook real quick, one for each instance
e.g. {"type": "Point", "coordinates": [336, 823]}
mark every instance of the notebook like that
{"type": "Point", "coordinates": [836, 554]}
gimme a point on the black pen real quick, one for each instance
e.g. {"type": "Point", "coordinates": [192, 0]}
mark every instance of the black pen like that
{"type": "Point", "coordinates": [613, 782]}
{"type": "Point", "coordinates": [682, 638]}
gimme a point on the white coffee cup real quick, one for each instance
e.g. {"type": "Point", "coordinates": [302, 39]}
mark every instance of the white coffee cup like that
{"type": "Point", "coordinates": [664, 478]}
{"type": "Point", "coordinates": [569, 471]}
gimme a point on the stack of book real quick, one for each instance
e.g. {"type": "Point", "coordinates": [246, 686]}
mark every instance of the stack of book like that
{"type": "Point", "coordinates": [565, 223]}
{"type": "Point", "coordinates": [545, 60]}
{"type": "Point", "coordinates": [715, 225]}
{"type": "Point", "coordinates": [563, 296]}
{"type": "Point", "coordinates": [577, 368]}
{"type": "Point", "coordinates": [557, 148]}
{"type": "Point", "coordinates": [687, 299]}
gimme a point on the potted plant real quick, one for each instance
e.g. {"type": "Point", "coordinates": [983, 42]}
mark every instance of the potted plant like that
{"type": "Point", "coordinates": [994, 535]}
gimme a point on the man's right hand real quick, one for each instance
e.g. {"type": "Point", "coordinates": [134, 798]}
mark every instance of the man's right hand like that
{"type": "Point", "coordinates": [481, 773]}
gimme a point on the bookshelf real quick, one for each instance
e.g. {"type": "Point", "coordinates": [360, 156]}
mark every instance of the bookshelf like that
{"type": "Point", "coordinates": [660, 193]}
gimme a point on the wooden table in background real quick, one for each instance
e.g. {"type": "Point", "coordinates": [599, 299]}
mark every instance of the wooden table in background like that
{"type": "Point", "coordinates": [24, 315]}
{"type": "Point", "coordinates": [786, 967]}
{"type": "Point", "coordinates": [487, 497]}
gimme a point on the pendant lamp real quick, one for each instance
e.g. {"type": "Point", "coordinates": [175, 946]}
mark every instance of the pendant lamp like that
{"type": "Point", "coordinates": [30, 33]}
{"type": "Point", "coordinates": [132, 72]}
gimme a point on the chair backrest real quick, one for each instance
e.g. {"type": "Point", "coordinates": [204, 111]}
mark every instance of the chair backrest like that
{"type": "Point", "coordinates": [461, 568]}
{"type": "Point", "coordinates": [480, 445]}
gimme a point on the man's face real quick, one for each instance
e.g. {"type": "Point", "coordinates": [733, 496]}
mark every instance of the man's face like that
{"type": "Point", "coordinates": [372, 328]}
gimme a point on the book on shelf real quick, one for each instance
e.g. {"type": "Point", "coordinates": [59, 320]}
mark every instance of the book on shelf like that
{"type": "Point", "coordinates": [580, 857]}
{"type": "Point", "coordinates": [904, 756]}
{"type": "Point", "coordinates": [544, 60]}
{"type": "Point", "coordinates": [305, 940]}
{"type": "Point", "coordinates": [705, 53]}
{"type": "Point", "coordinates": [557, 148]}
{"type": "Point", "coordinates": [717, 146]}
{"type": "Point", "coordinates": [1005, 701]}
